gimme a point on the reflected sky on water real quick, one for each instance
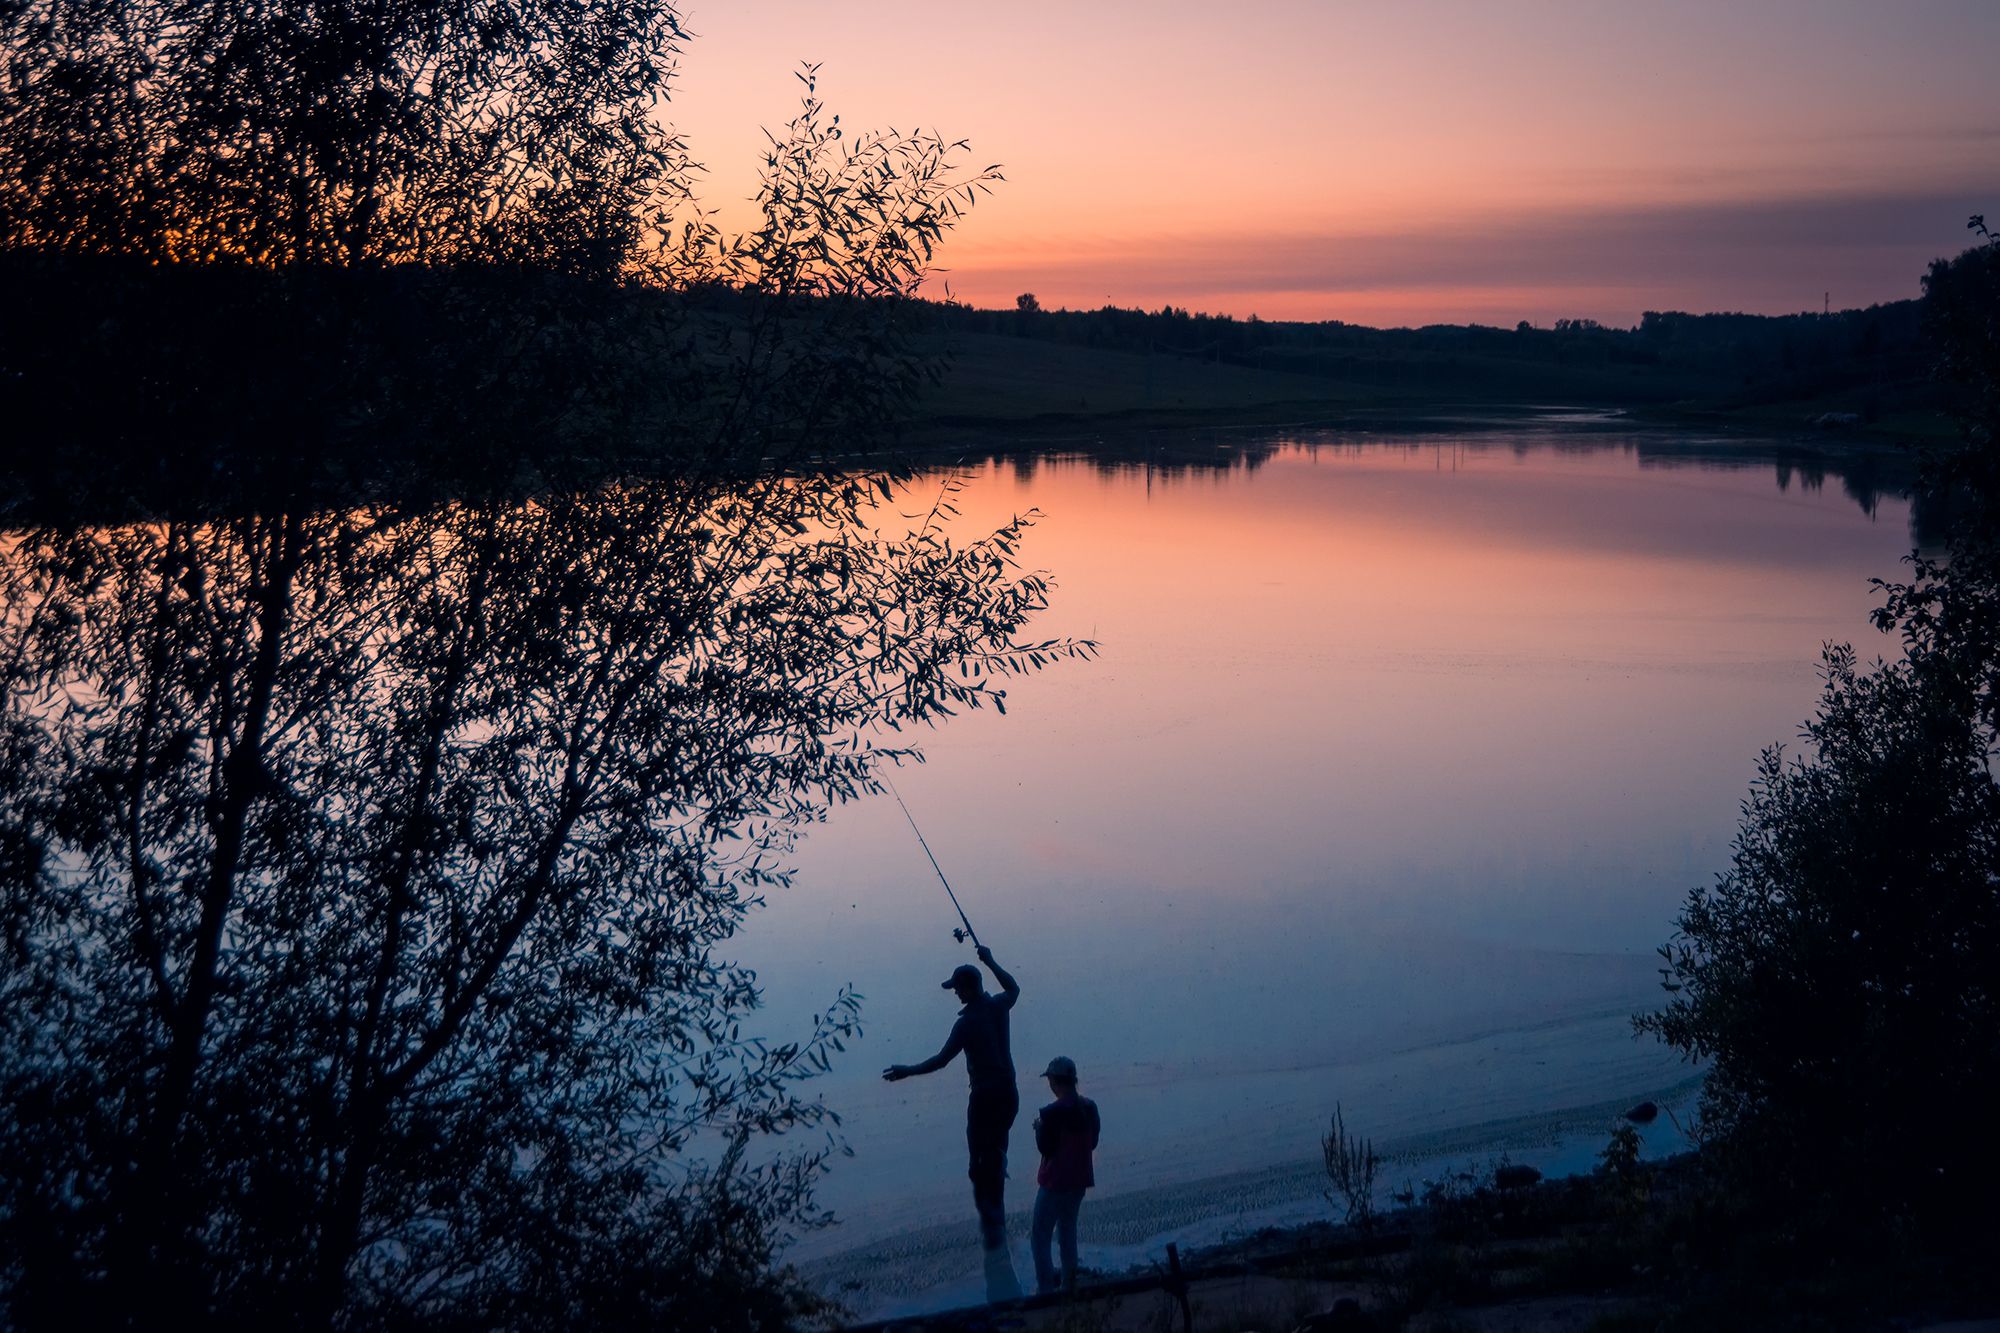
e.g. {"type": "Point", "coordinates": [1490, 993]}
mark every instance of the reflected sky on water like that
{"type": "Point", "coordinates": [1393, 747]}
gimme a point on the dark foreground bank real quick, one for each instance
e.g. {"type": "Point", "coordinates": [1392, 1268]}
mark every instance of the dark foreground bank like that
{"type": "Point", "coordinates": [1631, 1245]}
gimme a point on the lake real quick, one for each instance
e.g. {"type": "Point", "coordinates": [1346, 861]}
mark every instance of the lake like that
{"type": "Point", "coordinates": [1399, 757]}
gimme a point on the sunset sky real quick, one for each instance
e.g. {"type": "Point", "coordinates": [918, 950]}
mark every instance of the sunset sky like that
{"type": "Point", "coordinates": [1428, 160]}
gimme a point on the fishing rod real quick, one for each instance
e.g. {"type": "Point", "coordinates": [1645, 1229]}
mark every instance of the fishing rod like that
{"type": "Point", "coordinates": [960, 935]}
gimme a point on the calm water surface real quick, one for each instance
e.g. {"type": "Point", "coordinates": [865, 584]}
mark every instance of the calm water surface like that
{"type": "Point", "coordinates": [1398, 760]}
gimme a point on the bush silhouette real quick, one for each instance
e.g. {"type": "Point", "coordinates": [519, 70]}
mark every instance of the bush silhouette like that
{"type": "Point", "coordinates": [428, 620]}
{"type": "Point", "coordinates": [1840, 976]}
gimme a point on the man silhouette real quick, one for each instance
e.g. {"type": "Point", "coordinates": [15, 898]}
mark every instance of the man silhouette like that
{"type": "Point", "coordinates": [981, 1033]}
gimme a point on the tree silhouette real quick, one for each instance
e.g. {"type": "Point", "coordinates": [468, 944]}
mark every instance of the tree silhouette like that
{"type": "Point", "coordinates": [379, 855]}
{"type": "Point", "coordinates": [429, 620]}
{"type": "Point", "coordinates": [393, 131]}
{"type": "Point", "coordinates": [1840, 975]}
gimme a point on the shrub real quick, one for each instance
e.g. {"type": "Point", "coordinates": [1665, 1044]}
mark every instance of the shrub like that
{"type": "Point", "coordinates": [1351, 1164]}
{"type": "Point", "coordinates": [1843, 975]}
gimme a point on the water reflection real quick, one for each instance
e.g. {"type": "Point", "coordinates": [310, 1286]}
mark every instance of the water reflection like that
{"type": "Point", "coordinates": [363, 868]}
{"type": "Point", "coordinates": [1400, 755]}
{"type": "Point", "coordinates": [1865, 472]}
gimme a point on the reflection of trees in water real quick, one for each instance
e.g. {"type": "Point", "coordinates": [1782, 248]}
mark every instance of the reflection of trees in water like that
{"type": "Point", "coordinates": [1865, 475]}
{"type": "Point", "coordinates": [383, 761]}
{"type": "Point", "coordinates": [368, 864]}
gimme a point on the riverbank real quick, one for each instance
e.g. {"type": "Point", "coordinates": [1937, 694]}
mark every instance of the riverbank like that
{"type": "Point", "coordinates": [1042, 390]}
{"type": "Point", "coordinates": [1017, 402]}
{"type": "Point", "coordinates": [1884, 456]}
{"type": "Point", "coordinates": [1623, 1245]}
{"type": "Point", "coordinates": [924, 1269]}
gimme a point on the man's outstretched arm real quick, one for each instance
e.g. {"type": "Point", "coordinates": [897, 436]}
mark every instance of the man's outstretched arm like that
{"type": "Point", "coordinates": [1010, 989]}
{"type": "Point", "coordinates": [952, 1046]}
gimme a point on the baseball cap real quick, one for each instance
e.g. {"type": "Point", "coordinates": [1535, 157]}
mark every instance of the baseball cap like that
{"type": "Point", "coordinates": [1061, 1067]}
{"type": "Point", "coordinates": [963, 972]}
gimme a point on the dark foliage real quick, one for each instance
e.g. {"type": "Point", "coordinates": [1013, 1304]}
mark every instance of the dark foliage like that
{"type": "Point", "coordinates": [1962, 316]}
{"type": "Point", "coordinates": [1875, 357]}
{"type": "Point", "coordinates": [1841, 976]}
{"type": "Point", "coordinates": [423, 629]}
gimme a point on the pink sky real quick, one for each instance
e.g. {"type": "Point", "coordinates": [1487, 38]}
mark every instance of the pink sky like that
{"type": "Point", "coordinates": [1426, 160]}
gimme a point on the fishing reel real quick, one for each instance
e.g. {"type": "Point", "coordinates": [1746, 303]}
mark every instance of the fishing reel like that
{"type": "Point", "coordinates": [961, 934]}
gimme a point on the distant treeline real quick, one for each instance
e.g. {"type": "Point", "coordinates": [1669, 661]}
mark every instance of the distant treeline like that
{"type": "Point", "coordinates": [170, 386]}
{"type": "Point", "coordinates": [1871, 360]}
{"type": "Point", "coordinates": [122, 376]}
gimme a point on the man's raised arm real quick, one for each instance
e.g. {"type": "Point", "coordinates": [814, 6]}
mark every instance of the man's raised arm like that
{"type": "Point", "coordinates": [1010, 989]}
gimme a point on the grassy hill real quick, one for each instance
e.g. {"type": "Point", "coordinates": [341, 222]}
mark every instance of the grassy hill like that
{"type": "Point", "coordinates": [1867, 371]}
{"type": "Point", "coordinates": [993, 377]}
